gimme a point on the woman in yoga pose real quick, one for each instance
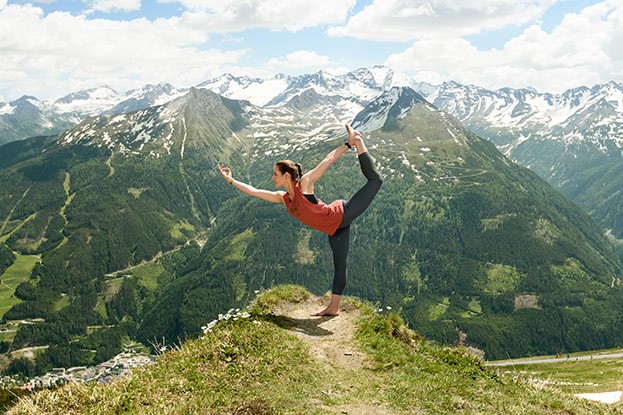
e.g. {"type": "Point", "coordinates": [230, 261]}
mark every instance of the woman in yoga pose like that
{"type": "Point", "coordinates": [333, 219]}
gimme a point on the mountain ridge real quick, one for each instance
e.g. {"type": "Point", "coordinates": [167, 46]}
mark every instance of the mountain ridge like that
{"type": "Point", "coordinates": [275, 358]}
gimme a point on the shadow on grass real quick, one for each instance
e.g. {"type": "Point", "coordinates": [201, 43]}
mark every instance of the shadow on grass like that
{"type": "Point", "coordinates": [308, 326]}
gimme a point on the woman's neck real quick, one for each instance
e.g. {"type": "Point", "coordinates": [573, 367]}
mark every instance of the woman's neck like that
{"type": "Point", "coordinates": [290, 186]}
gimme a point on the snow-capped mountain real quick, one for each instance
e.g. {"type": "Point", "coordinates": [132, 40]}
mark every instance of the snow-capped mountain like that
{"type": "Point", "coordinates": [145, 97]}
{"type": "Point", "coordinates": [362, 85]}
{"type": "Point", "coordinates": [157, 130]}
{"type": "Point", "coordinates": [574, 140]}
{"type": "Point", "coordinates": [255, 90]}
{"type": "Point", "coordinates": [508, 117]}
{"type": "Point", "coordinates": [28, 116]}
{"type": "Point", "coordinates": [387, 108]}
{"type": "Point", "coordinates": [88, 102]}
{"type": "Point", "coordinates": [348, 92]}
{"type": "Point", "coordinates": [336, 98]}
{"type": "Point", "coordinates": [513, 118]}
{"type": "Point", "coordinates": [162, 130]}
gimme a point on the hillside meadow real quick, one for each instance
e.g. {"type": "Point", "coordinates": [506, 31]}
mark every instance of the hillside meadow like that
{"type": "Point", "coordinates": [274, 359]}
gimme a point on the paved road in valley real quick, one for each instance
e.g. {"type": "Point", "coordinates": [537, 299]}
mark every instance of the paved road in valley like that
{"type": "Point", "coordinates": [562, 359]}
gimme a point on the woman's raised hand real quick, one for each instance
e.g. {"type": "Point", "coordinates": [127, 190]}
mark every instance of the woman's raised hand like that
{"type": "Point", "coordinates": [354, 136]}
{"type": "Point", "coordinates": [226, 173]}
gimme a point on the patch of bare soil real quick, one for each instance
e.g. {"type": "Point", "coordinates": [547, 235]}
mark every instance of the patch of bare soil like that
{"type": "Point", "coordinates": [331, 340]}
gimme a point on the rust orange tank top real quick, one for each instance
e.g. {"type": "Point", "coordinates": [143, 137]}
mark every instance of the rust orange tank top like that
{"type": "Point", "coordinates": [322, 217]}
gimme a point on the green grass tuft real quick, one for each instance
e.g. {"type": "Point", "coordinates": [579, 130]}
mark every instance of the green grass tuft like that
{"type": "Point", "coordinates": [267, 301]}
{"type": "Point", "coordinates": [253, 365]}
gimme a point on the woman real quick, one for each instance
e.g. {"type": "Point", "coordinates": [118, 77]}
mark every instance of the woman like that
{"type": "Point", "coordinates": [333, 219]}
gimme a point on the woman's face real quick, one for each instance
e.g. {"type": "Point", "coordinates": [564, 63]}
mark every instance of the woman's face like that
{"type": "Point", "coordinates": [278, 178]}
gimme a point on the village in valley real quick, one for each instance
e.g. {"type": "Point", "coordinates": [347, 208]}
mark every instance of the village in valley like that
{"type": "Point", "coordinates": [104, 372]}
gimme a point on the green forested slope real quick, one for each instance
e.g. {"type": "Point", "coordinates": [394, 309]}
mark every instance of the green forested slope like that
{"type": "Point", "coordinates": [151, 243]}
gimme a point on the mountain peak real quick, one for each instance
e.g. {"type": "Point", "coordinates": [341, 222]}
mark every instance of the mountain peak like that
{"type": "Point", "coordinates": [102, 92]}
{"type": "Point", "coordinates": [147, 96]}
{"type": "Point", "coordinates": [89, 102]}
{"type": "Point", "coordinates": [159, 129]}
{"type": "Point", "coordinates": [388, 108]}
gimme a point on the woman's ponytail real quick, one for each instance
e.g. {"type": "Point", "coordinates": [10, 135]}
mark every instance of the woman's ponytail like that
{"type": "Point", "coordinates": [299, 171]}
{"type": "Point", "coordinates": [288, 166]}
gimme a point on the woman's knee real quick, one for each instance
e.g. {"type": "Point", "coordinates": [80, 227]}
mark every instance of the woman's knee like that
{"type": "Point", "coordinates": [377, 182]}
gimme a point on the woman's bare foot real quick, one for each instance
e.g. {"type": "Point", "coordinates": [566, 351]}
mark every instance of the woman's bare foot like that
{"type": "Point", "coordinates": [333, 309]}
{"type": "Point", "coordinates": [356, 140]}
{"type": "Point", "coordinates": [352, 134]}
{"type": "Point", "coordinates": [326, 312]}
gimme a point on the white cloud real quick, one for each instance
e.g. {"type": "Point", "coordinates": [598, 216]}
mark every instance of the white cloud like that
{"type": "Point", "coordinates": [116, 5]}
{"type": "Point", "coordinates": [402, 20]}
{"type": "Point", "coordinates": [50, 55]}
{"type": "Point", "coordinates": [291, 15]}
{"type": "Point", "coordinates": [47, 55]}
{"type": "Point", "coordinates": [300, 59]}
{"type": "Point", "coordinates": [584, 49]}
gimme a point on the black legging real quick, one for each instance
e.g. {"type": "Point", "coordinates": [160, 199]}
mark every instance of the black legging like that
{"type": "Point", "coordinates": [353, 207]}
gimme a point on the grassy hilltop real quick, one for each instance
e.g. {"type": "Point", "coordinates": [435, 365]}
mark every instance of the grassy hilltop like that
{"type": "Point", "coordinates": [278, 360]}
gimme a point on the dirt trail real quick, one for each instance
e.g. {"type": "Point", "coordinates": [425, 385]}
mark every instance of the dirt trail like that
{"type": "Point", "coordinates": [331, 341]}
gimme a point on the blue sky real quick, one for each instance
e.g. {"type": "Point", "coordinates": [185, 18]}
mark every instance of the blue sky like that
{"type": "Point", "coordinates": [53, 47]}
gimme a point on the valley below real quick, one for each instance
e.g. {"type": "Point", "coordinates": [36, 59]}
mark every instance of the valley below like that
{"type": "Point", "coordinates": [595, 375]}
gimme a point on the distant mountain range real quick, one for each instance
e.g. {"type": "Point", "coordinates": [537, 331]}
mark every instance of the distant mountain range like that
{"type": "Point", "coordinates": [511, 118]}
{"type": "Point", "coordinates": [508, 117]}
{"type": "Point", "coordinates": [574, 140]}
{"type": "Point", "coordinates": [29, 117]}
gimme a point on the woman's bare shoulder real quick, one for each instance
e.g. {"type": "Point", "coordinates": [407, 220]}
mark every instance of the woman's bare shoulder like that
{"type": "Point", "coordinates": [307, 186]}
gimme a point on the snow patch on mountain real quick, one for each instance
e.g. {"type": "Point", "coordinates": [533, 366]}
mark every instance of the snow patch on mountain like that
{"type": "Point", "coordinates": [357, 87]}
{"type": "Point", "coordinates": [89, 102]}
{"type": "Point", "coordinates": [255, 90]}
{"type": "Point", "coordinates": [6, 109]}
{"type": "Point", "coordinates": [124, 133]}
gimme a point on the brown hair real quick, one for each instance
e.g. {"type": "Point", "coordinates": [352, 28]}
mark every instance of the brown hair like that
{"type": "Point", "coordinates": [288, 166]}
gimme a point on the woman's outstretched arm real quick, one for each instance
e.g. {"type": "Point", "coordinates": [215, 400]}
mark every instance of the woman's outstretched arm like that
{"type": "Point", "coordinates": [312, 176]}
{"type": "Point", "coordinates": [267, 195]}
